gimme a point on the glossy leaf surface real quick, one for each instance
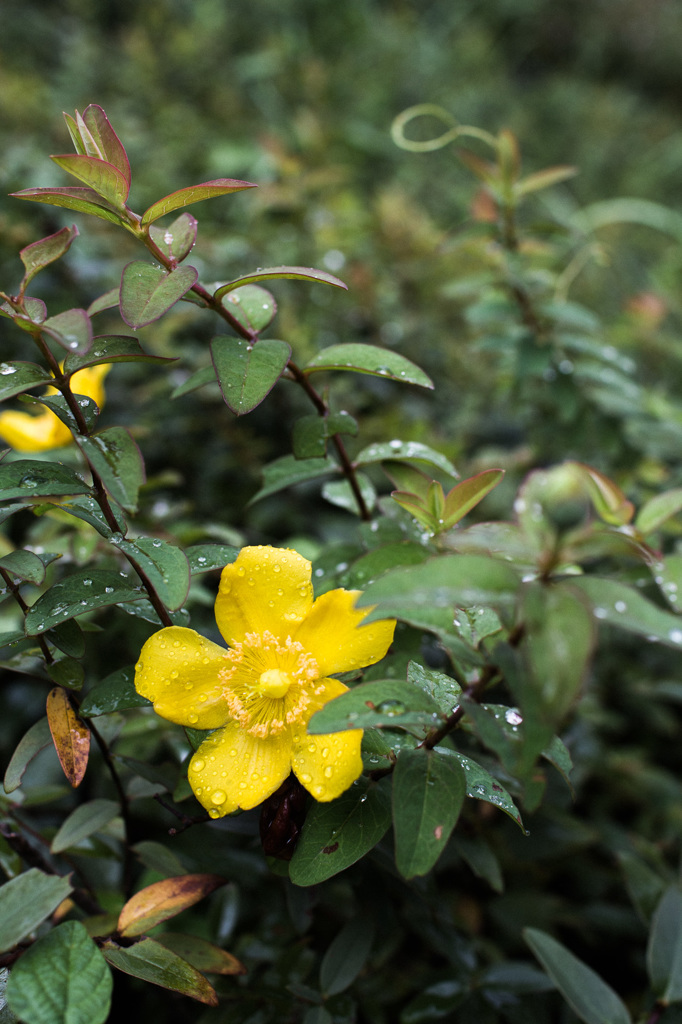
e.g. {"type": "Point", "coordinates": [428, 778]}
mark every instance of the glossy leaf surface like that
{"type": "Point", "coordinates": [193, 194]}
{"type": "Point", "coordinates": [152, 962]}
{"type": "Point", "coordinates": [379, 362]}
{"type": "Point", "coordinates": [115, 456]}
{"type": "Point", "coordinates": [428, 793]}
{"type": "Point", "coordinates": [147, 291]}
{"type": "Point", "coordinates": [163, 900]}
{"type": "Point", "coordinates": [77, 594]}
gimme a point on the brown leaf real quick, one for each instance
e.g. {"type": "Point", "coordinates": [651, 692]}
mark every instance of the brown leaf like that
{"type": "Point", "coordinates": [70, 736]}
{"type": "Point", "coordinates": [164, 899]}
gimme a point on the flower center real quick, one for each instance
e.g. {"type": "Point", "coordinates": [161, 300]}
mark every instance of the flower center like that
{"type": "Point", "coordinates": [270, 683]}
{"type": "Point", "coordinates": [274, 683]}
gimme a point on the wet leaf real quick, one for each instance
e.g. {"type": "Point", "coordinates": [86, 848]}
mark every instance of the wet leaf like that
{"type": "Point", "coordinates": [147, 292]}
{"type": "Point", "coordinates": [379, 362]}
{"type": "Point", "coordinates": [619, 605]}
{"type": "Point", "coordinates": [111, 349]}
{"type": "Point", "coordinates": [404, 451]}
{"type": "Point", "coordinates": [71, 329]}
{"type": "Point", "coordinates": [177, 240]}
{"type": "Point", "coordinates": [17, 377]}
{"type": "Point", "coordinates": [163, 564]}
{"type": "Point", "coordinates": [105, 138]}
{"type": "Point", "coordinates": [428, 793]}
{"type": "Point", "coordinates": [385, 703]}
{"type": "Point", "coordinates": [271, 273]}
{"type": "Point", "coordinates": [208, 557]}
{"type": "Point", "coordinates": [82, 592]}
{"type": "Point", "coordinates": [115, 456]}
{"type": "Point", "coordinates": [287, 471]}
{"type": "Point", "coordinates": [114, 693]}
{"type": "Point", "coordinates": [70, 736]}
{"type": "Point", "coordinates": [339, 833]}
{"type": "Point", "coordinates": [247, 373]}
{"type": "Point", "coordinates": [25, 565]}
{"type": "Point", "coordinates": [254, 307]}
{"type": "Point", "coordinates": [31, 478]}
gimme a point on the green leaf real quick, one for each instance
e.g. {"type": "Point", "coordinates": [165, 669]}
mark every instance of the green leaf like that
{"type": "Point", "coordinates": [655, 512]}
{"type": "Point", "coordinates": [32, 742]}
{"type": "Point", "coordinates": [192, 194]}
{"type": "Point", "coordinates": [478, 854]}
{"type": "Point", "coordinates": [68, 638]}
{"type": "Point", "coordinates": [379, 362]}
{"type": "Point", "coordinates": [664, 950]}
{"type": "Point", "coordinates": [39, 255]}
{"type": "Point", "coordinates": [383, 704]}
{"type": "Point", "coordinates": [71, 329]}
{"type": "Point", "coordinates": [63, 977]}
{"type": "Point", "coordinates": [88, 510]}
{"type": "Point", "coordinates": [446, 581]}
{"type": "Point", "coordinates": [199, 952]}
{"type": "Point", "coordinates": [254, 307]}
{"type": "Point", "coordinates": [84, 200]}
{"type": "Point", "coordinates": [67, 672]}
{"type": "Point", "coordinates": [620, 605]}
{"type": "Point", "coordinates": [99, 175]}
{"type": "Point", "coordinates": [668, 579]}
{"type": "Point", "coordinates": [311, 433]}
{"type": "Point", "coordinates": [87, 818]}
{"type": "Point", "coordinates": [560, 637]}
{"type": "Point", "coordinates": [206, 375]}
{"type": "Point", "coordinates": [375, 563]}
{"type": "Point", "coordinates": [341, 494]}
{"type": "Point", "coordinates": [428, 793]}
{"type": "Point", "coordinates": [346, 955]}
{"type": "Point", "coordinates": [339, 833]}
{"type": "Point", "coordinates": [177, 240]}
{"type": "Point", "coordinates": [271, 273]}
{"type": "Point", "coordinates": [164, 564]}
{"type": "Point", "coordinates": [208, 557]}
{"type": "Point", "coordinates": [589, 997]}
{"type": "Point", "coordinates": [31, 478]}
{"type": "Point", "coordinates": [644, 885]}
{"type": "Point", "coordinates": [287, 471]}
{"type": "Point", "coordinates": [404, 451]}
{"type": "Point", "coordinates": [152, 962]}
{"type": "Point", "coordinates": [147, 291]}
{"type": "Point", "coordinates": [117, 459]}
{"type": "Point", "coordinates": [25, 902]}
{"type": "Point", "coordinates": [442, 689]}
{"type": "Point", "coordinates": [18, 377]}
{"type": "Point", "coordinates": [247, 373]}
{"type": "Point", "coordinates": [25, 565]}
{"type": "Point", "coordinates": [106, 140]}
{"type": "Point", "coordinates": [77, 594]}
{"type": "Point", "coordinates": [481, 785]}
{"type": "Point", "coordinates": [111, 349]}
{"type": "Point", "coordinates": [114, 693]}
{"type": "Point", "coordinates": [467, 494]}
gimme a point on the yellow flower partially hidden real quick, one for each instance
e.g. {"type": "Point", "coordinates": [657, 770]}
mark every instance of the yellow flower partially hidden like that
{"type": "Point", "coordinates": [26, 432]}
{"type": "Point", "coordinates": [260, 693]}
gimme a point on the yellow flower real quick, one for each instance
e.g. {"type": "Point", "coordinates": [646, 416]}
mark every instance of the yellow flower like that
{"type": "Point", "coordinates": [260, 693]}
{"type": "Point", "coordinates": [26, 432]}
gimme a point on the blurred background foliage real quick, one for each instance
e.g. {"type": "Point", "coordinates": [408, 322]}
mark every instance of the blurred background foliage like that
{"type": "Point", "coordinates": [299, 96]}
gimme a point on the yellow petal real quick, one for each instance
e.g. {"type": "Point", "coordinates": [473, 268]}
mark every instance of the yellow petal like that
{"type": "Point", "coordinates": [26, 433]}
{"type": "Point", "coordinates": [265, 589]}
{"type": "Point", "coordinates": [327, 765]}
{"type": "Point", "coordinates": [89, 382]}
{"type": "Point", "coordinates": [178, 671]}
{"type": "Point", "coordinates": [333, 635]}
{"type": "Point", "coordinates": [233, 769]}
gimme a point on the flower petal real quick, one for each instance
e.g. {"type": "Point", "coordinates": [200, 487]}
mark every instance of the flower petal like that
{"type": "Point", "coordinates": [333, 635]}
{"type": "Point", "coordinates": [265, 589]}
{"type": "Point", "coordinates": [178, 671]}
{"type": "Point", "coordinates": [327, 765]}
{"type": "Point", "coordinates": [26, 433]}
{"type": "Point", "coordinates": [233, 769]}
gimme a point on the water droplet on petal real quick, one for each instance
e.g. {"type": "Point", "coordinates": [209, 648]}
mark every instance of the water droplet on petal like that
{"type": "Point", "coordinates": [219, 797]}
{"type": "Point", "coordinates": [199, 765]}
{"type": "Point", "coordinates": [328, 772]}
{"type": "Point", "coordinates": [192, 719]}
{"type": "Point", "coordinates": [214, 812]}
